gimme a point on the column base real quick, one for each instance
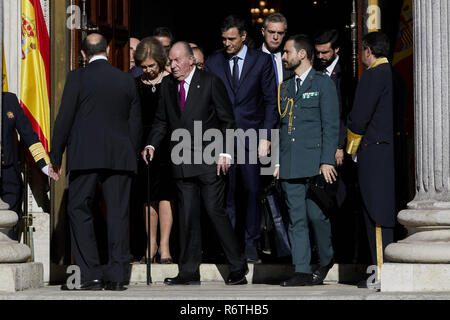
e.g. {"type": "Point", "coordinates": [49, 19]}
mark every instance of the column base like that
{"type": "Point", "coordinates": [23, 276]}
{"type": "Point", "coordinates": [428, 238]}
{"type": "Point", "coordinates": [407, 277]}
{"type": "Point", "coordinates": [13, 251]}
{"type": "Point", "coordinates": [418, 252]}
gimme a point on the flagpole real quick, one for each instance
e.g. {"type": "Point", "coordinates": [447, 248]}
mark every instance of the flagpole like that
{"type": "Point", "coordinates": [3, 205]}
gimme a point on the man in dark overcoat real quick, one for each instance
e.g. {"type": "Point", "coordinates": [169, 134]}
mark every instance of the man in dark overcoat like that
{"type": "Point", "coordinates": [371, 142]}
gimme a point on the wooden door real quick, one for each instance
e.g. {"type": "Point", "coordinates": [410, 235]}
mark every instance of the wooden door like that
{"type": "Point", "coordinates": [111, 19]}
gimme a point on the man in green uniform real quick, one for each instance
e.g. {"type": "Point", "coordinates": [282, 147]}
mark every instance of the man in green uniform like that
{"type": "Point", "coordinates": [309, 130]}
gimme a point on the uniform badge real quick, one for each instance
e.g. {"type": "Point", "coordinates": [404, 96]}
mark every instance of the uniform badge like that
{"type": "Point", "coordinates": [10, 115]}
{"type": "Point", "coordinates": [309, 95]}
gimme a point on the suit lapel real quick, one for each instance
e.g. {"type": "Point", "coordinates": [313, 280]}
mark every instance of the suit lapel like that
{"type": "Point", "coordinates": [249, 61]}
{"type": "Point", "coordinates": [291, 89]}
{"type": "Point", "coordinates": [336, 73]}
{"type": "Point", "coordinates": [226, 69]}
{"type": "Point", "coordinates": [194, 89]}
{"type": "Point", "coordinates": [175, 96]}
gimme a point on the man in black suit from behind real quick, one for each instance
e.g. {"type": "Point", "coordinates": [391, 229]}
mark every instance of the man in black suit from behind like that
{"type": "Point", "coordinates": [188, 97]}
{"type": "Point", "coordinates": [99, 122]}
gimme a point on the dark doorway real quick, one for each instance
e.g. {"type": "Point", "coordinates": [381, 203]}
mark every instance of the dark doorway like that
{"type": "Point", "coordinates": [199, 21]}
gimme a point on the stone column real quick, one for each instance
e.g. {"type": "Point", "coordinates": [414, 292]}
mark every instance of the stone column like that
{"type": "Point", "coordinates": [422, 260]}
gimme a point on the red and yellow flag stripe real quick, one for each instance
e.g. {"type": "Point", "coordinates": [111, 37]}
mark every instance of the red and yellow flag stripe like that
{"type": "Point", "coordinates": [35, 73]}
{"type": "Point", "coordinates": [4, 74]}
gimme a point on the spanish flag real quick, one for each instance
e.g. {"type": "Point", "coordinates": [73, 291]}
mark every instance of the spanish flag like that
{"type": "Point", "coordinates": [35, 73]}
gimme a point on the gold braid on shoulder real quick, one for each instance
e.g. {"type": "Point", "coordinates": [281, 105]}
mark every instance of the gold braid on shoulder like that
{"type": "Point", "coordinates": [283, 114]}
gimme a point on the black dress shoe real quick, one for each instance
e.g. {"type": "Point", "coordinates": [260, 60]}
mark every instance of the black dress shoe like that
{"type": "Point", "coordinates": [320, 274]}
{"type": "Point", "coordinates": [115, 286]}
{"type": "Point", "coordinates": [181, 280]}
{"type": "Point", "coordinates": [299, 279]}
{"type": "Point", "coordinates": [237, 277]}
{"type": "Point", "coordinates": [94, 285]}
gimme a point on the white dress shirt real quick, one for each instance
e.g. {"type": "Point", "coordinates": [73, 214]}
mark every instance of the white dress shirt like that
{"type": "Point", "coordinates": [331, 67]}
{"type": "Point", "coordinates": [278, 62]}
{"type": "Point", "coordinates": [99, 57]}
{"type": "Point", "coordinates": [302, 78]}
{"type": "Point", "coordinates": [187, 82]}
{"type": "Point", "coordinates": [241, 54]}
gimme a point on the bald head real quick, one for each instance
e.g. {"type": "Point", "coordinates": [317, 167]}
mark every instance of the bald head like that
{"type": "Point", "coordinates": [184, 48]}
{"type": "Point", "coordinates": [93, 45]}
{"type": "Point", "coordinates": [181, 60]}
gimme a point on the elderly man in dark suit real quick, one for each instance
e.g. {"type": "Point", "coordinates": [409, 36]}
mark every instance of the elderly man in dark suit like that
{"type": "Point", "coordinates": [191, 97]}
{"type": "Point", "coordinates": [371, 140]}
{"type": "Point", "coordinates": [250, 80]}
{"type": "Point", "coordinates": [99, 122]}
{"type": "Point", "coordinates": [308, 141]}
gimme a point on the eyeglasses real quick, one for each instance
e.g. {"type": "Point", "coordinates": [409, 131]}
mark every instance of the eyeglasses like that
{"type": "Point", "coordinates": [200, 65]}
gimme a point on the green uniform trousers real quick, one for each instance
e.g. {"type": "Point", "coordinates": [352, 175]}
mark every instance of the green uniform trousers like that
{"type": "Point", "coordinates": [302, 212]}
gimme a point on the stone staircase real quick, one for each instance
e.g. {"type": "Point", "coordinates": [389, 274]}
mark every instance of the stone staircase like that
{"type": "Point", "coordinates": [258, 273]}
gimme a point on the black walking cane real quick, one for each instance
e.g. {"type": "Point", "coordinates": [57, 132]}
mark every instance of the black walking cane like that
{"type": "Point", "coordinates": [149, 270]}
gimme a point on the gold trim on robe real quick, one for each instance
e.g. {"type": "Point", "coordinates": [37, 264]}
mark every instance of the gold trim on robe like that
{"type": "Point", "coordinates": [378, 62]}
{"type": "Point", "coordinates": [353, 142]}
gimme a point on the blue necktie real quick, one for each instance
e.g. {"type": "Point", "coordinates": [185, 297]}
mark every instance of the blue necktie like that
{"type": "Point", "coordinates": [275, 67]}
{"type": "Point", "coordinates": [235, 72]}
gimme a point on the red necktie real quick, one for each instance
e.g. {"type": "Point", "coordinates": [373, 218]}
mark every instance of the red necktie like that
{"type": "Point", "coordinates": [182, 95]}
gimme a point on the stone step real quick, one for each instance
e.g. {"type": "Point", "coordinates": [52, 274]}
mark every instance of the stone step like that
{"type": "Point", "coordinates": [21, 276]}
{"type": "Point", "coordinates": [258, 273]}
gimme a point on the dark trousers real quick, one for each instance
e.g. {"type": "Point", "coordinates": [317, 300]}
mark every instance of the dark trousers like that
{"type": "Point", "coordinates": [116, 192]}
{"type": "Point", "coordinates": [250, 191]}
{"type": "Point", "coordinates": [208, 188]}
{"type": "Point", "coordinates": [12, 193]}
{"type": "Point", "coordinates": [302, 212]}
{"type": "Point", "coordinates": [387, 235]}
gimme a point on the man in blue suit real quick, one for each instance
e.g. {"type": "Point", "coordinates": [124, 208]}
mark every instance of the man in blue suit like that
{"type": "Point", "coordinates": [251, 85]}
